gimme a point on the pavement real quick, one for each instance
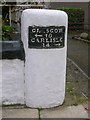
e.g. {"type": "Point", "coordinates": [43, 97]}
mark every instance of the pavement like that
{"type": "Point", "coordinates": [58, 112]}
{"type": "Point", "coordinates": [78, 52]}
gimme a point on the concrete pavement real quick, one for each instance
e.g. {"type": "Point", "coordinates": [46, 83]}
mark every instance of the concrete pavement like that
{"type": "Point", "coordinates": [20, 113]}
{"type": "Point", "coordinates": [67, 112]}
{"type": "Point", "coordinates": [58, 112]}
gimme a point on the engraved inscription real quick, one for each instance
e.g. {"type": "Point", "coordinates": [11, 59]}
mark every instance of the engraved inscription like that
{"type": "Point", "coordinates": [46, 37]}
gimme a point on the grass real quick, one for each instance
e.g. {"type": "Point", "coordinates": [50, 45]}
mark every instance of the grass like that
{"type": "Point", "coordinates": [73, 95]}
{"type": "Point", "coordinates": [76, 86]}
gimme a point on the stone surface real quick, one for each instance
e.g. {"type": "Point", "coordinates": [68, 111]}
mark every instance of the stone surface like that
{"type": "Point", "coordinates": [84, 35]}
{"type": "Point", "coordinates": [20, 113]}
{"type": "Point", "coordinates": [12, 79]}
{"type": "Point", "coordinates": [68, 112]}
{"type": "Point", "coordinates": [45, 69]}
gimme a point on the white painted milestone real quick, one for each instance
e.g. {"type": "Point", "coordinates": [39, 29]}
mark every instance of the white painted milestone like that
{"type": "Point", "coordinates": [44, 35]}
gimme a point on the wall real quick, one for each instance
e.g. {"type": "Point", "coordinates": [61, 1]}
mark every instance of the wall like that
{"type": "Point", "coordinates": [12, 81]}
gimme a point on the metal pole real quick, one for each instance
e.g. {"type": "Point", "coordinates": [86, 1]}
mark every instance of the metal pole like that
{"type": "Point", "coordinates": [10, 14]}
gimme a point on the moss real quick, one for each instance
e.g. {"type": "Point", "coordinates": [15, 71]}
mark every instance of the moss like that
{"type": "Point", "coordinates": [74, 89]}
{"type": "Point", "coordinates": [69, 87]}
{"type": "Point", "coordinates": [81, 99]}
{"type": "Point", "coordinates": [77, 81]}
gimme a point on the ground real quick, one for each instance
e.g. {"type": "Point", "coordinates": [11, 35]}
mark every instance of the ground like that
{"type": "Point", "coordinates": [76, 86]}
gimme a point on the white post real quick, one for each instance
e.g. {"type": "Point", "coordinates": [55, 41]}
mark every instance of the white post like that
{"type": "Point", "coordinates": [44, 35]}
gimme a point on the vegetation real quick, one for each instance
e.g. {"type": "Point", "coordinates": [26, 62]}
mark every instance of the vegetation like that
{"type": "Point", "coordinates": [75, 17]}
{"type": "Point", "coordinates": [74, 96]}
{"type": "Point", "coordinates": [74, 14]}
{"type": "Point", "coordinates": [7, 30]}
